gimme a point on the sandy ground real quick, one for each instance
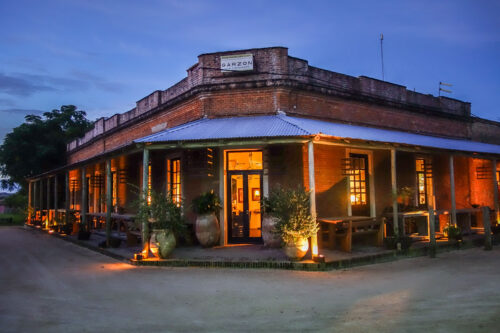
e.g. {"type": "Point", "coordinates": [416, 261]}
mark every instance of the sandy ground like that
{"type": "Point", "coordinates": [49, 285]}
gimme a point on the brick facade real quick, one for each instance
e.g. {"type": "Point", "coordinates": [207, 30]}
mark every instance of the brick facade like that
{"type": "Point", "coordinates": [281, 82]}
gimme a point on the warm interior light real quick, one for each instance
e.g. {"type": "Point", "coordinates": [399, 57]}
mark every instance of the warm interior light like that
{"type": "Point", "coordinates": [314, 245]}
{"type": "Point", "coordinates": [305, 246]}
{"type": "Point", "coordinates": [353, 198]}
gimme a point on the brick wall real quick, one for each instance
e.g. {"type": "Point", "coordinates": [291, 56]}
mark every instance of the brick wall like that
{"type": "Point", "coordinates": [331, 185]}
{"type": "Point", "coordinates": [280, 82]}
{"type": "Point", "coordinates": [382, 180]}
{"type": "Point", "coordinates": [481, 189]}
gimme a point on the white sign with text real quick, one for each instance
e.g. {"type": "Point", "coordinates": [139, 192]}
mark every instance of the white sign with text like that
{"type": "Point", "coordinates": [240, 62]}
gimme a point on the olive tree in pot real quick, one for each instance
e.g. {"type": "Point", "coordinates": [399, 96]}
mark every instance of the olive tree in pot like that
{"type": "Point", "coordinates": [295, 222]}
{"type": "Point", "coordinates": [207, 229]}
{"type": "Point", "coordinates": [165, 216]}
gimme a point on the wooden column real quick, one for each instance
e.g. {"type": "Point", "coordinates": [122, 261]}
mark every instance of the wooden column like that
{"type": "Point", "coordinates": [487, 227]}
{"type": "Point", "coordinates": [495, 190]}
{"type": "Point", "coordinates": [394, 188]}
{"type": "Point", "coordinates": [35, 197]}
{"type": "Point", "coordinates": [452, 189]}
{"type": "Point", "coordinates": [109, 202]}
{"type": "Point", "coordinates": [83, 208]}
{"type": "Point", "coordinates": [145, 224]}
{"type": "Point", "coordinates": [312, 195]}
{"type": "Point", "coordinates": [40, 199]}
{"type": "Point", "coordinates": [48, 204]}
{"type": "Point", "coordinates": [30, 203]}
{"type": "Point", "coordinates": [432, 232]}
{"type": "Point", "coordinates": [66, 197]}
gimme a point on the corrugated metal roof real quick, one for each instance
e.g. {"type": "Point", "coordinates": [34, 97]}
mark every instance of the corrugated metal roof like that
{"type": "Point", "coordinates": [228, 128]}
{"type": "Point", "coordinates": [285, 126]}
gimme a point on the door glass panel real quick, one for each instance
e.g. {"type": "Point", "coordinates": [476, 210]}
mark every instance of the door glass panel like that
{"type": "Point", "coordinates": [237, 206]}
{"type": "Point", "coordinates": [244, 160]}
{"type": "Point", "coordinates": [254, 193]}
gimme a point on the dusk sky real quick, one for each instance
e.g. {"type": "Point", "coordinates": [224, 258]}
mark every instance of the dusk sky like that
{"type": "Point", "coordinates": [103, 56]}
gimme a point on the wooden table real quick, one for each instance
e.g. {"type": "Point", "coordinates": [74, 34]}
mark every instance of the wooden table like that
{"type": "Point", "coordinates": [466, 225]}
{"type": "Point", "coordinates": [121, 219]}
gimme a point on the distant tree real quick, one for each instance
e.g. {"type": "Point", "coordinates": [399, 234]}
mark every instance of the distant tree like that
{"type": "Point", "coordinates": [17, 200]}
{"type": "Point", "coordinates": [39, 144]}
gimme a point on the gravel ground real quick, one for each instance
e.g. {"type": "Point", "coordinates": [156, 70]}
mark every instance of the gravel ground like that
{"type": "Point", "coordinates": [49, 285]}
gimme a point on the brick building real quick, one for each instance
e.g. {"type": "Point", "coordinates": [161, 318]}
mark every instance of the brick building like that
{"type": "Point", "coordinates": [244, 121]}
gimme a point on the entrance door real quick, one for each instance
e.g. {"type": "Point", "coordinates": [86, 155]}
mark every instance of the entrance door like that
{"type": "Point", "coordinates": [244, 189]}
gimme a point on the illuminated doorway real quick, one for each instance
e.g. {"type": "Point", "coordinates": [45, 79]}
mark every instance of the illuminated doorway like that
{"type": "Point", "coordinates": [244, 189]}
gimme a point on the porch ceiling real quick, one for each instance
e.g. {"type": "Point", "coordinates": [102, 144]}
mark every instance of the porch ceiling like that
{"type": "Point", "coordinates": [285, 126]}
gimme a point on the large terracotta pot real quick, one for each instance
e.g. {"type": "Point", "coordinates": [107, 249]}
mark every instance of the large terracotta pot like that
{"type": "Point", "coordinates": [207, 229]}
{"type": "Point", "coordinates": [162, 243]}
{"type": "Point", "coordinates": [297, 250]}
{"type": "Point", "coordinates": [269, 238]}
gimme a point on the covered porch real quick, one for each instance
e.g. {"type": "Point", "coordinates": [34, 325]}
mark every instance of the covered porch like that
{"type": "Point", "coordinates": [356, 176]}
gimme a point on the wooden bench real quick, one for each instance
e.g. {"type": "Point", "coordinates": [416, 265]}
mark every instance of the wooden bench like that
{"type": "Point", "coordinates": [342, 230]}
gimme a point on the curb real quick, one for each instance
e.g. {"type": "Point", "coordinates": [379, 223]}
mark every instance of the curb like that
{"type": "Point", "coordinates": [387, 256]}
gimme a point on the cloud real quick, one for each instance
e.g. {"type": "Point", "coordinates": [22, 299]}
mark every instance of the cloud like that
{"type": "Point", "coordinates": [23, 84]}
{"type": "Point", "coordinates": [7, 102]}
{"type": "Point", "coordinates": [97, 81]}
{"type": "Point", "coordinates": [22, 111]}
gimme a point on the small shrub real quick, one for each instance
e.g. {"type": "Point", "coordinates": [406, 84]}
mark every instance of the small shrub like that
{"type": "Point", "coordinates": [292, 209]}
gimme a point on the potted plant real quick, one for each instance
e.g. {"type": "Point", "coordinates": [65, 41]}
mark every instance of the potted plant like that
{"type": "Point", "coordinates": [207, 229]}
{"type": "Point", "coordinates": [295, 223]}
{"type": "Point", "coordinates": [269, 220]}
{"type": "Point", "coordinates": [452, 232]}
{"type": "Point", "coordinates": [166, 220]}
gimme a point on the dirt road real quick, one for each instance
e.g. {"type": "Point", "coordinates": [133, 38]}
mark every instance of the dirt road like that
{"type": "Point", "coordinates": [49, 285]}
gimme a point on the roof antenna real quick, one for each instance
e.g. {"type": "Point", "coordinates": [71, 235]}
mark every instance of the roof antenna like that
{"type": "Point", "coordinates": [382, 54]}
{"type": "Point", "coordinates": [442, 89]}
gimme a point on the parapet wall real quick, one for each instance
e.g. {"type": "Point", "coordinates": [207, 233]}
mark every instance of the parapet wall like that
{"type": "Point", "coordinates": [274, 64]}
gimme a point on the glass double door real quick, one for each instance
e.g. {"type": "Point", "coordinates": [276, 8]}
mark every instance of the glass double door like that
{"type": "Point", "coordinates": [245, 219]}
